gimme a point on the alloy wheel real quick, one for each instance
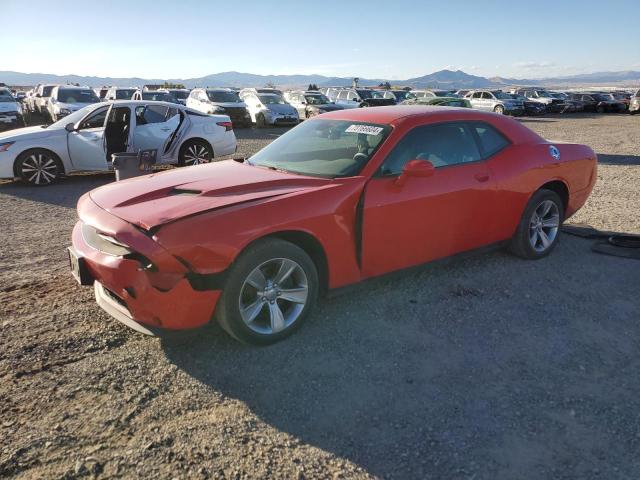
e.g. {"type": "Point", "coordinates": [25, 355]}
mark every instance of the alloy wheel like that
{"type": "Point", "coordinates": [39, 169]}
{"type": "Point", "coordinates": [273, 296]}
{"type": "Point", "coordinates": [544, 225]}
{"type": "Point", "coordinates": [196, 154]}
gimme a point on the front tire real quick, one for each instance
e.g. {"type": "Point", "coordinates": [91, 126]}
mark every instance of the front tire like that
{"type": "Point", "coordinates": [38, 167]}
{"type": "Point", "coordinates": [269, 292]}
{"type": "Point", "coordinates": [539, 229]}
{"type": "Point", "coordinates": [195, 152]}
{"type": "Point", "coordinates": [260, 121]}
{"type": "Point", "coordinates": [499, 109]}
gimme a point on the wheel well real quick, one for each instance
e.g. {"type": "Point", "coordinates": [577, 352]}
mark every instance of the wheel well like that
{"type": "Point", "coordinates": [561, 189]}
{"type": "Point", "coordinates": [313, 248]}
{"type": "Point", "coordinates": [21, 154]}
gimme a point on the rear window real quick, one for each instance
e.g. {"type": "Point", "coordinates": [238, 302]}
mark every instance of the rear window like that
{"type": "Point", "coordinates": [223, 97]}
{"type": "Point", "coordinates": [491, 141]}
{"type": "Point", "coordinates": [124, 94]}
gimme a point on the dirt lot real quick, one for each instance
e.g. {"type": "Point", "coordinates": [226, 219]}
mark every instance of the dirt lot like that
{"type": "Point", "coordinates": [484, 368]}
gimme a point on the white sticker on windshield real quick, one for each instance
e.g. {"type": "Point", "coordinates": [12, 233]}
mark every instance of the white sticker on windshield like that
{"type": "Point", "coordinates": [366, 129]}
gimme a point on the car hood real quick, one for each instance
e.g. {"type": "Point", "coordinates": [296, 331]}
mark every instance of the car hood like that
{"type": "Point", "coordinates": [30, 133]}
{"type": "Point", "coordinates": [9, 107]}
{"type": "Point", "coordinates": [153, 200]}
{"type": "Point", "coordinates": [230, 104]}
{"type": "Point", "coordinates": [72, 106]}
{"type": "Point", "coordinates": [328, 107]}
{"type": "Point", "coordinates": [281, 109]}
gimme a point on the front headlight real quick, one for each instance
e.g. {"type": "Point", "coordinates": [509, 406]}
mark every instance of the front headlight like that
{"type": "Point", "coordinates": [64, 111]}
{"type": "Point", "coordinates": [5, 146]}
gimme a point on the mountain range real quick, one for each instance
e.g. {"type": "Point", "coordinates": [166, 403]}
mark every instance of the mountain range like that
{"type": "Point", "coordinates": [446, 79]}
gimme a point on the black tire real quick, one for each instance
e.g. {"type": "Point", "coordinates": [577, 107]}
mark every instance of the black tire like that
{"type": "Point", "coordinates": [228, 310]}
{"type": "Point", "coordinates": [499, 109]}
{"type": "Point", "coordinates": [260, 121]}
{"type": "Point", "coordinates": [521, 242]}
{"type": "Point", "coordinates": [195, 152]}
{"type": "Point", "coordinates": [38, 167]}
{"type": "Point", "coordinates": [600, 110]}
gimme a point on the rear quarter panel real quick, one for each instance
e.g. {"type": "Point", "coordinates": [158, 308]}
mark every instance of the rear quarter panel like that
{"type": "Point", "coordinates": [521, 170]}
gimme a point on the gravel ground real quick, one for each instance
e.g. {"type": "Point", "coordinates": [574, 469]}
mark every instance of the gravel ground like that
{"type": "Point", "coordinates": [488, 367]}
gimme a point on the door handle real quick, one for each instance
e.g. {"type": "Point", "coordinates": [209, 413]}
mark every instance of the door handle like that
{"type": "Point", "coordinates": [481, 177]}
{"type": "Point", "coordinates": [165, 129]}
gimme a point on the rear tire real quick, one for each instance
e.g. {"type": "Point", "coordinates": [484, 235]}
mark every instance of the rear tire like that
{"type": "Point", "coordinates": [539, 228]}
{"type": "Point", "coordinates": [269, 292]}
{"type": "Point", "coordinates": [195, 152]}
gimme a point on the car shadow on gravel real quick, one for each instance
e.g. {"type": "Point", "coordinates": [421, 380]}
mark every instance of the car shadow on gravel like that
{"type": "Point", "coordinates": [65, 193]}
{"type": "Point", "coordinates": [615, 159]}
{"type": "Point", "coordinates": [487, 367]}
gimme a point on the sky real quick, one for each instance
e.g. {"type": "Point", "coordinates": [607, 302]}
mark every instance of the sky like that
{"type": "Point", "coordinates": [372, 39]}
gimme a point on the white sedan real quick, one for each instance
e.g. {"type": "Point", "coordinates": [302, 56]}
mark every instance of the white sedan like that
{"type": "Point", "coordinates": [85, 140]}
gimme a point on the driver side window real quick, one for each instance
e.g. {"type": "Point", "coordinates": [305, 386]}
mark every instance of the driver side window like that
{"type": "Point", "coordinates": [443, 145]}
{"type": "Point", "coordinates": [95, 120]}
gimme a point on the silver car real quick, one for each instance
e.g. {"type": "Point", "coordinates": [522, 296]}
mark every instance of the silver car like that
{"type": "Point", "coordinates": [269, 109]}
{"type": "Point", "coordinates": [495, 101]}
{"type": "Point", "coordinates": [634, 104]}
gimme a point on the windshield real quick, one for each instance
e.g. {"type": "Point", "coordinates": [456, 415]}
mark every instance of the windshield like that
{"type": "Point", "coordinates": [402, 95]}
{"type": "Point", "coordinates": [324, 148]}
{"type": "Point", "coordinates": [180, 94]}
{"type": "Point", "coordinates": [159, 97]}
{"type": "Point", "coordinates": [501, 95]}
{"type": "Point", "coordinates": [317, 99]}
{"type": "Point", "coordinates": [125, 94]}
{"type": "Point", "coordinates": [75, 95]}
{"type": "Point", "coordinates": [46, 91]}
{"type": "Point", "coordinates": [221, 96]}
{"type": "Point", "coordinates": [441, 93]}
{"type": "Point", "coordinates": [271, 99]}
{"type": "Point", "coordinates": [5, 95]}
{"type": "Point", "coordinates": [74, 117]}
{"type": "Point", "coordinates": [543, 94]}
{"type": "Point", "coordinates": [366, 94]}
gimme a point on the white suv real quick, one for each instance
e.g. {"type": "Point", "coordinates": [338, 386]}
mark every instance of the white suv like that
{"type": "Point", "coordinates": [68, 99]}
{"type": "Point", "coordinates": [42, 97]}
{"type": "Point", "coordinates": [220, 101]}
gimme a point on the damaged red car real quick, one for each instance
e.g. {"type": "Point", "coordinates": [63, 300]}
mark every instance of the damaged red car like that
{"type": "Point", "coordinates": [343, 197]}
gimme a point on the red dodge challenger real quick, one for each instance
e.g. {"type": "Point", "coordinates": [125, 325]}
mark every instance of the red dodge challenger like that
{"type": "Point", "coordinates": [340, 198]}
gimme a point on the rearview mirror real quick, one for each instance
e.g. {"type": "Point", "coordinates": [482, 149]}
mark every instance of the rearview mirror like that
{"type": "Point", "coordinates": [69, 127]}
{"type": "Point", "coordinates": [415, 168]}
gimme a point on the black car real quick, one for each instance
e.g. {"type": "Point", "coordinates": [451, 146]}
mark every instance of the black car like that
{"type": "Point", "coordinates": [531, 108]}
{"type": "Point", "coordinates": [599, 102]}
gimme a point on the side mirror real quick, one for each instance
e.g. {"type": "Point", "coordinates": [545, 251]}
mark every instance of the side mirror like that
{"type": "Point", "coordinates": [415, 168]}
{"type": "Point", "coordinates": [69, 127]}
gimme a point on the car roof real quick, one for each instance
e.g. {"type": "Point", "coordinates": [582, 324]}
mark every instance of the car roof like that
{"type": "Point", "coordinates": [391, 114]}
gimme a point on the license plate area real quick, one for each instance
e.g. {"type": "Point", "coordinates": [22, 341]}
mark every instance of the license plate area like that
{"type": "Point", "coordinates": [78, 268]}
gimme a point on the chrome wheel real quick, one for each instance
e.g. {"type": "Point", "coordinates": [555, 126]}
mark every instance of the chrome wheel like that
{"type": "Point", "coordinates": [196, 154]}
{"type": "Point", "coordinates": [544, 225]}
{"type": "Point", "coordinates": [273, 296]}
{"type": "Point", "coordinates": [39, 169]}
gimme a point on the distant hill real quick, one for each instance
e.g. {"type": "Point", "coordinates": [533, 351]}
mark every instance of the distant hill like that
{"type": "Point", "coordinates": [445, 79]}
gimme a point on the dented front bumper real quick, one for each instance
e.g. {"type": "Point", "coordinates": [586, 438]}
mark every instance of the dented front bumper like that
{"type": "Point", "coordinates": [148, 300]}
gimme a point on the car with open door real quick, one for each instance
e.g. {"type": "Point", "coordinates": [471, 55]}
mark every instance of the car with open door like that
{"type": "Point", "coordinates": [344, 196]}
{"type": "Point", "coordinates": [86, 139]}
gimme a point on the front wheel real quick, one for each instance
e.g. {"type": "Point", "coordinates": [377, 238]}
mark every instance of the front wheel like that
{"type": "Point", "coordinates": [39, 168]}
{"type": "Point", "coordinates": [269, 292]}
{"type": "Point", "coordinates": [195, 152]}
{"type": "Point", "coordinates": [538, 231]}
{"type": "Point", "coordinates": [499, 109]}
{"type": "Point", "coordinates": [260, 121]}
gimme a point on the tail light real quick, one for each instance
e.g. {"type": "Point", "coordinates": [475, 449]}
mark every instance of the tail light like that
{"type": "Point", "coordinates": [227, 125]}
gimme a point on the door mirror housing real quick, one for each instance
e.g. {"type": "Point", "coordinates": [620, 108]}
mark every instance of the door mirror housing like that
{"type": "Point", "coordinates": [69, 127]}
{"type": "Point", "coordinates": [415, 168]}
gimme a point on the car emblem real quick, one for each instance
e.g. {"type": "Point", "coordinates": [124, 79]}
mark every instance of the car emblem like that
{"type": "Point", "coordinates": [554, 152]}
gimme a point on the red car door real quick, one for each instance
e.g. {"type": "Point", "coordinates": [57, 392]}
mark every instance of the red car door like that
{"type": "Point", "coordinates": [418, 219]}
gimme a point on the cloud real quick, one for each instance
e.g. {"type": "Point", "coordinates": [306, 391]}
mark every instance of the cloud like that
{"type": "Point", "coordinates": [533, 65]}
